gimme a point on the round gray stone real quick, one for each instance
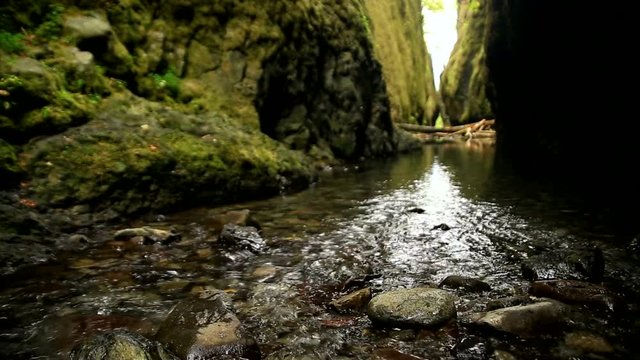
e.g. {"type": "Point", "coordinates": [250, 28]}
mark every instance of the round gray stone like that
{"type": "Point", "coordinates": [417, 307]}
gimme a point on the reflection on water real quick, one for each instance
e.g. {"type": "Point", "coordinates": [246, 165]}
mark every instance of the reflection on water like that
{"type": "Point", "coordinates": [364, 221]}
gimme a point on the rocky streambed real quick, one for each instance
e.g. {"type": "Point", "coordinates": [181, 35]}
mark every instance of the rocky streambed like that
{"type": "Point", "coordinates": [434, 255]}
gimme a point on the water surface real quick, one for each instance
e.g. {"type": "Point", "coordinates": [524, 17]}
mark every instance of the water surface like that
{"type": "Point", "coordinates": [378, 218]}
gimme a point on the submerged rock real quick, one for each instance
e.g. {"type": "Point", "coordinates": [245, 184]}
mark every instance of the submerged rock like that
{"type": "Point", "coordinates": [442, 226]}
{"type": "Point", "coordinates": [150, 235]}
{"type": "Point", "coordinates": [526, 320]}
{"type": "Point", "coordinates": [575, 264]}
{"type": "Point", "coordinates": [243, 237]}
{"type": "Point", "coordinates": [417, 307]}
{"type": "Point", "coordinates": [578, 292]}
{"type": "Point", "coordinates": [206, 328]}
{"type": "Point", "coordinates": [353, 301]}
{"type": "Point", "coordinates": [508, 302]}
{"type": "Point", "coordinates": [586, 342]}
{"type": "Point", "coordinates": [237, 217]}
{"type": "Point", "coordinates": [465, 283]}
{"type": "Point", "coordinates": [121, 345]}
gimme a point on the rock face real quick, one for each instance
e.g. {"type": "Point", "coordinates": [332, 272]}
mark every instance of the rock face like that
{"type": "Point", "coordinates": [535, 59]}
{"type": "Point", "coordinates": [120, 344]}
{"type": "Point", "coordinates": [465, 82]}
{"type": "Point", "coordinates": [406, 64]}
{"type": "Point", "coordinates": [417, 307]}
{"type": "Point", "coordinates": [322, 90]}
{"type": "Point", "coordinates": [206, 328]}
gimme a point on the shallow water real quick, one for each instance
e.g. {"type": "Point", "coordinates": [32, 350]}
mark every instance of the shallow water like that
{"type": "Point", "coordinates": [350, 224]}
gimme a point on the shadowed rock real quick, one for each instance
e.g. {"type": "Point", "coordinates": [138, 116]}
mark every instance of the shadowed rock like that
{"type": "Point", "coordinates": [573, 264]}
{"type": "Point", "coordinates": [465, 283]}
{"type": "Point", "coordinates": [578, 292]}
{"type": "Point", "coordinates": [508, 302]}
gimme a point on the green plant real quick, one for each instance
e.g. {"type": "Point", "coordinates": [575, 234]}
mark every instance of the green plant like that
{"type": "Point", "coordinates": [94, 98]}
{"type": "Point", "coordinates": [439, 122]}
{"type": "Point", "coordinates": [364, 19]}
{"type": "Point", "coordinates": [433, 5]}
{"type": "Point", "coordinates": [169, 80]}
{"type": "Point", "coordinates": [45, 112]}
{"type": "Point", "coordinates": [474, 5]}
{"type": "Point", "coordinates": [11, 43]}
{"type": "Point", "coordinates": [51, 27]}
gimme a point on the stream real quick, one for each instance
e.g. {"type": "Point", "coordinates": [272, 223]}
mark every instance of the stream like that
{"type": "Point", "coordinates": [378, 219]}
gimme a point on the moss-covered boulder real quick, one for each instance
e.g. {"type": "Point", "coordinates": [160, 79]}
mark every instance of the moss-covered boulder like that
{"type": "Point", "coordinates": [119, 344]}
{"type": "Point", "coordinates": [9, 169]}
{"type": "Point", "coordinates": [139, 155]}
{"type": "Point", "coordinates": [465, 81]}
{"type": "Point", "coordinates": [395, 28]}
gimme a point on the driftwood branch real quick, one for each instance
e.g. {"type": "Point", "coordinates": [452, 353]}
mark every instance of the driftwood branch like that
{"type": "Point", "coordinates": [447, 129]}
{"type": "Point", "coordinates": [428, 134]}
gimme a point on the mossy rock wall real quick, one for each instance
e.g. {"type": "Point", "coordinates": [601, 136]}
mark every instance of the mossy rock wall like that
{"type": "Point", "coordinates": [322, 89]}
{"type": "Point", "coordinates": [396, 30]}
{"type": "Point", "coordinates": [166, 103]}
{"type": "Point", "coordinates": [465, 82]}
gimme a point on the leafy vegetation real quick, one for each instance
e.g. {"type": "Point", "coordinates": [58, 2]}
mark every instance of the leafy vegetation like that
{"type": "Point", "coordinates": [169, 80]}
{"type": "Point", "coordinates": [433, 5]}
{"type": "Point", "coordinates": [11, 43]}
{"type": "Point", "coordinates": [52, 25]}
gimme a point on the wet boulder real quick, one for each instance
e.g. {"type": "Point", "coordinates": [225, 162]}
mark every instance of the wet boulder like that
{"type": "Point", "coordinates": [572, 264]}
{"type": "Point", "coordinates": [120, 344]}
{"type": "Point", "coordinates": [524, 320]}
{"type": "Point", "coordinates": [578, 292]}
{"type": "Point", "coordinates": [206, 328]}
{"type": "Point", "coordinates": [417, 307]}
{"type": "Point", "coordinates": [465, 283]}
{"type": "Point", "coordinates": [353, 301]}
{"type": "Point", "coordinates": [243, 237]}
{"type": "Point", "coordinates": [148, 235]}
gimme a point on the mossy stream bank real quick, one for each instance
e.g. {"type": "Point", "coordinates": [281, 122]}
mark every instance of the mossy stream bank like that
{"type": "Point", "coordinates": [130, 106]}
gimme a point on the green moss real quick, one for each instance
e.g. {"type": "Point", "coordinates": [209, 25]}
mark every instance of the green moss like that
{"type": "Point", "coordinates": [465, 80]}
{"type": "Point", "coordinates": [433, 5]}
{"type": "Point", "coordinates": [153, 157]}
{"type": "Point", "coordinates": [8, 160]}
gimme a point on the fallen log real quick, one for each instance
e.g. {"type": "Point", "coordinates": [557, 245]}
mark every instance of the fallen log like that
{"type": "Point", "coordinates": [447, 129]}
